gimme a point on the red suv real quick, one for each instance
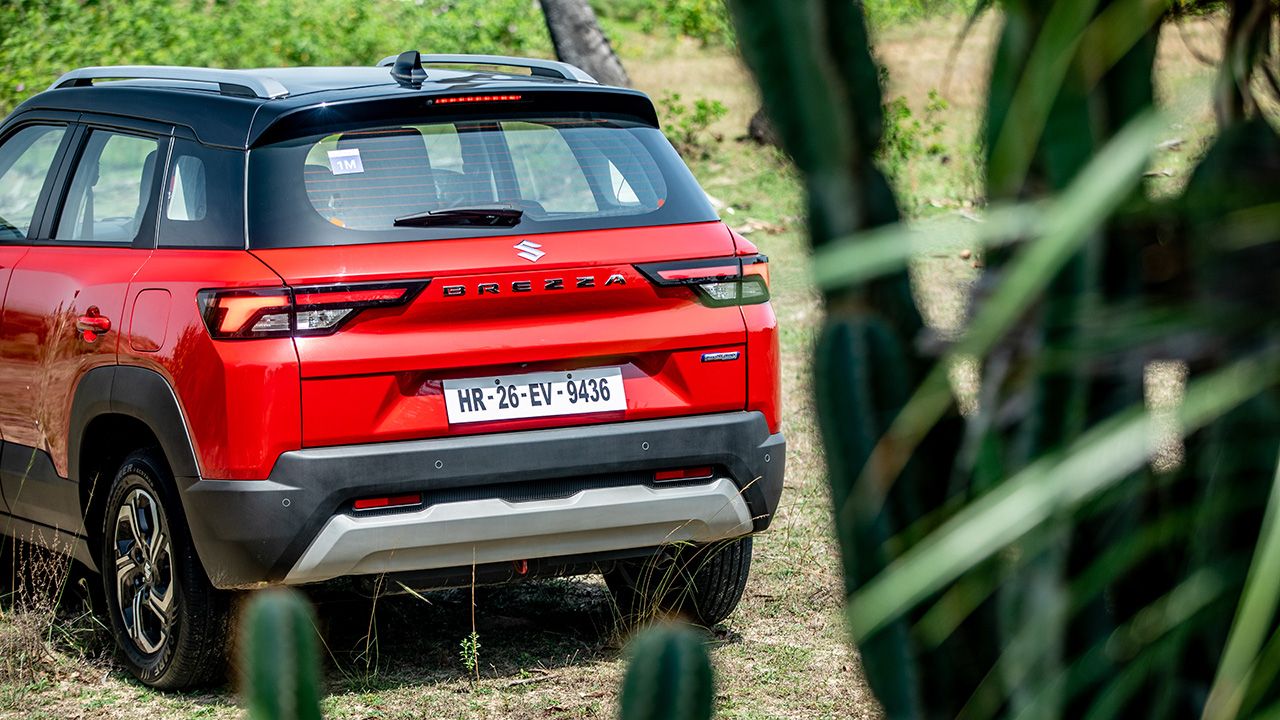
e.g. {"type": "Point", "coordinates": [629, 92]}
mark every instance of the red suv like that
{"type": "Point", "coordinates": [292, 325]}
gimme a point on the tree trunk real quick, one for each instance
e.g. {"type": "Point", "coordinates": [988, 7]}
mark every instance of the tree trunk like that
{"type": "Point", "coordinates": [761, 129]}
{"type": "Point", "coordinates": [580, 41]}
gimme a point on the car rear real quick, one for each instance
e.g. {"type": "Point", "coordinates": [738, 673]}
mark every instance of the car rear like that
{"type": "Point", "coordinates": [523, 337]}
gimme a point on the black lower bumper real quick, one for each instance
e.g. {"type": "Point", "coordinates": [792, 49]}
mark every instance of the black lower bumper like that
{"type": "Point", "coordinates": [252, 532]}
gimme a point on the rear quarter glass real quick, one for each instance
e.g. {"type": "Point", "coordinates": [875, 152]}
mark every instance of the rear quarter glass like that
{"type": "Point", "coordinates": [203, 198]}
{"type": "Point", "coordinates": [565, 171]}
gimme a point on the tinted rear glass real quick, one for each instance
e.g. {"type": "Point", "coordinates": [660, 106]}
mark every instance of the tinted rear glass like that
{"type": "Point", "coordinates": [564, 172]}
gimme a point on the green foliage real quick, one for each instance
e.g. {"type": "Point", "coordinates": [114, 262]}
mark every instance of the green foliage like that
{"type": "Point", "coordinates": [44, 38]}
{"type": "Point", "coordinates": [891, 12]}
{"type": "Point", "coordinates": [687, 125]}
{"type": "Point", "coordinates": [668, 676]}
{"type": "Point", "coordinates": [1196, 7]}
{"type": "Point", "coordinates": [908, 136]}
{"type": "Point", "coordinates": [708, 20]}
{"type": "Point", "coordinates": [279, 658]}
{"type": "Point", "coordinates": [703, 20]}
{"type": "Point", "coordinates": [1026, 560]}
{"type": "Point", "coordinates": [470, 653]}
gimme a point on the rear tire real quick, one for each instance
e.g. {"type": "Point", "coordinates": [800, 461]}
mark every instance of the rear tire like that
{"type": "Point", "coordinates": [168, 621]}
{"type": "Point", "coordinates": [703, 582]}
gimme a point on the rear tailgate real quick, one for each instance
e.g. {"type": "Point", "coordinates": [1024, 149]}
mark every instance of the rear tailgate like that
{"type": "Point", "coordinates": [491, 310]}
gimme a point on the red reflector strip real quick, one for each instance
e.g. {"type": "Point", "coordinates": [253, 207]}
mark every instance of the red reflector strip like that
{"type": "Point", "coordinates": [388, 502]}
{"type": "Point", "coordinates": [351, 297]}
{"type": "Point", "coordinates": [477, 99]}
{"type": "Point", "coordinates": [697, 473]}
{"type": "Point", "coordinates": [700, 273]}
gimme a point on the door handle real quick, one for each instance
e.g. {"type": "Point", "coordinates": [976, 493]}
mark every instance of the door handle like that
{"type": "Point", "coordinates": [92, 324]}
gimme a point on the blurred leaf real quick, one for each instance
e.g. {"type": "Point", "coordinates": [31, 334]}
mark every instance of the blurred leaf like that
{"type": "Point", "coordinates": [1095, 195]}
{"type": "Point", "coordinates": [1146, 633]}
{"type": "Point", "coordinates": [1254, 617]}
{"type": "Point", "coordinates": [1083, 208]}
{"type": "Point", "coordinates": [1069, 25]}
{"type": "Point", "coordinates": [1051, 485]}
{"type": "Point", "coordinates": [1119, 558]}
{"type": "Point", "coordinates": [884, 250]}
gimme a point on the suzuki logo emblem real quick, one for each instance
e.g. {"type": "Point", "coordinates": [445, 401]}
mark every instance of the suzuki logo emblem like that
{"type": "Point", "coordinates": [529, 250]}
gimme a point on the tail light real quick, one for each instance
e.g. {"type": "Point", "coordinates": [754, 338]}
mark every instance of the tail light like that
{"type": "Point", "coordinates": [718, 282]}
{"type": "Point", "coordinates": [298, 312]}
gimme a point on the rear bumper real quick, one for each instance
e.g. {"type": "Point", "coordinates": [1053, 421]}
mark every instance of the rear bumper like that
{"type": "Point", "coordinates": [294, 527]}
{"type": "Point", "coordinates": [459, 534]}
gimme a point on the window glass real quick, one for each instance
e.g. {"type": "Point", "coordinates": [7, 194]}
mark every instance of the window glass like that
{"type": "Point", "coordinates": [364, 180]}
{"type": "Point", "coordinates": [25, 159]}
{"type": "Point", "coordinates": [188, 190]}
{"type": "Point", "coordinates": [548, 172]}
{"type": "Point", "coordinates": [204, 198]}
{"type": "Point", "coordinates": [444, 147]}
{"type": "Point", "coordinates": [620, 188]}
{"type": "Point", "coordinates": [565, 172]}
{"type": "Point", "coordinates": [110, 191]}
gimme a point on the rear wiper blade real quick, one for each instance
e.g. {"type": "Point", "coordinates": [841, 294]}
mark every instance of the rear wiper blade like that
{"type": "Point", "coordinates": [486, 215]}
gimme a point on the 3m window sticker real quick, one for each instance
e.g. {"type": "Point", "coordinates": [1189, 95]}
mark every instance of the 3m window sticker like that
{"type": "Point", "coordinates": [345, 162]}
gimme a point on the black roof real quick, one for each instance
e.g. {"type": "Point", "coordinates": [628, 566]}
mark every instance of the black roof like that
{"type": "Point", "coordinates": [307, 94]}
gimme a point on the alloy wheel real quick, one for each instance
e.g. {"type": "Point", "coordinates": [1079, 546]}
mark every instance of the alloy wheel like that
{"type": "Point", "coordinates": [145, 592]}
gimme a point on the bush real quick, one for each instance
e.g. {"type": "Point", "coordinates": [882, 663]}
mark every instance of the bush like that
{"type": "Point", "coordinates": [703, 20]}
{"type": "Point", "coordinates": [688, 125]}
{"type": "Point", "coordinates": [908, 136]}
{"type": "Point", "coordinates": [889, 12]}
{"type": "Point", "coordinates": [45, 38]}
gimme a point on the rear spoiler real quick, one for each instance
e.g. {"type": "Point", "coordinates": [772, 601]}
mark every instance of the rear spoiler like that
{"type": "Point", "coordinates": [489, 101]}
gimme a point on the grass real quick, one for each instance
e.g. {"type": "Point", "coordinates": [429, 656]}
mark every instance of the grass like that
{"type": "Point", "coordinates": [548, 649]}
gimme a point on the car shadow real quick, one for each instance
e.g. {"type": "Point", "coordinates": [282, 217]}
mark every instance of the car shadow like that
{"type": "Point", "coordinates": [401, 638]}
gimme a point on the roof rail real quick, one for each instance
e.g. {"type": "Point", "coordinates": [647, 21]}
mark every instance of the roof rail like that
{"type": "Point", "coordinates": [539, 68]}
{"type": "Point", "coordinates": [230, 82]}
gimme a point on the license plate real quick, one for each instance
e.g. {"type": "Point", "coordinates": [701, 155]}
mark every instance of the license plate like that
{"type": "Point", "coordinates": [545, 394]}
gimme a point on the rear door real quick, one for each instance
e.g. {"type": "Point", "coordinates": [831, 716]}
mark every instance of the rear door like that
{"type": "Point", "coordinates": [509, 312]}
{"type": "Point", "coordinates": [66, 300]}
{"type": "Point", "coordinates": [29, 153]}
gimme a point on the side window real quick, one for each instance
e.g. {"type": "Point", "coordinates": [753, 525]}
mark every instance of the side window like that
{"type": "Point", "coordinates": [547, 170]}
{"type": "Point", "coordinates": [204, 198]}
{"type": "Point", "coordinates": [25, 159]}
{"type": "Point", "coordinates": [110, 190]}
{"type": "Point", "coordinates": [188, 190]}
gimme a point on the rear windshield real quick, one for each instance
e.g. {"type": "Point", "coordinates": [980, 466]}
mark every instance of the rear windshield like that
{"type": "Point", "coordinates": [564, 173]}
